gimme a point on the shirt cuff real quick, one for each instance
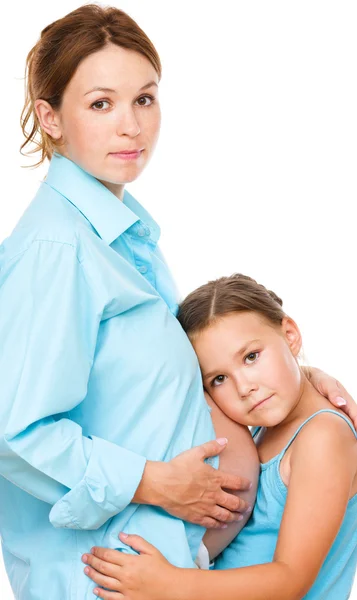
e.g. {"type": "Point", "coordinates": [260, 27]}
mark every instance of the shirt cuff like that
{"type": "Point", "coordinates": [108, 486]}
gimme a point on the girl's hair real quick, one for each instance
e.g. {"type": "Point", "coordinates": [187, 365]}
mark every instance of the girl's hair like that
{"type": "Point", "coordinates": [52, 62]}
{"type": "Point", "coordinates": [236, 293]}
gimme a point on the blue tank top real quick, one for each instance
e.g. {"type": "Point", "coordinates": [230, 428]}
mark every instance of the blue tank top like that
{"type": "Point", "coordinates": [256, 543]}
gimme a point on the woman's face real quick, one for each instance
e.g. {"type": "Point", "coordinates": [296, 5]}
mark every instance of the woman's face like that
{"type": "Point", "coordinates": [249, 367]}
{"type": "Point", "coordinates": [109, 119]}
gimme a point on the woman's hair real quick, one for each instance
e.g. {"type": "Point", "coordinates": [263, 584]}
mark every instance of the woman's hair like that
{"type": "Point", "coordinates": [52, 62]}
{"type": "Point", "coordinates": [236, 293]}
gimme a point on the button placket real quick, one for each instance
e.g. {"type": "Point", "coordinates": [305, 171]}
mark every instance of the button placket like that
{"type": "Point", "coordinates": [141, 244]}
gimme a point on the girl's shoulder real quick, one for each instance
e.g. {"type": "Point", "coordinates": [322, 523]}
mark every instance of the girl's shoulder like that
{"type": "Point", "coordinates": [327, 434]}
{"type": "Point", "coordinates": [327, 423]}
{"type": "Point", "coordinates": [322, 439]}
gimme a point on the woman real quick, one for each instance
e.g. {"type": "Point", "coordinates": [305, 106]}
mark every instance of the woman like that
{"type": "Point", "coordinates": [100, 388]}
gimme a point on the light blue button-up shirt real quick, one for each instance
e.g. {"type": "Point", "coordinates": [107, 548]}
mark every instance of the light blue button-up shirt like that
{"type": "Point", "coordinates": [96, 376]}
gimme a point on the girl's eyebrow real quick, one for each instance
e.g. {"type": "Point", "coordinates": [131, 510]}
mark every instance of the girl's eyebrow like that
{"type": "Point", "coordinates": [239, 352]}
{"type": "Point", "coordinates": [244, 348]}
{"type": "Point", "coordinates": [98, 88]}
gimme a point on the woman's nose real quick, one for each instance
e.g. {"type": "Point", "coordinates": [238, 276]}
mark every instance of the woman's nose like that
{"type": "Point", "coordinates": [127, 123]}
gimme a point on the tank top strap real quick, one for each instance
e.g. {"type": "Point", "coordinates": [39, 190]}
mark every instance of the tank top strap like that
{"type": "Point", "coordinates": [323, 410]}
{"type": "Point", "coordinates": [254, 431]}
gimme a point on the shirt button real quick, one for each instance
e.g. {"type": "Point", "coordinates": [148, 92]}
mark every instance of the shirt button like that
{"type": "Point", "coordinates": [143, 269]}
{"type": "Point", "coordinates": [141, 232]}
{"type": "Point", "coordinates": [147, 231]}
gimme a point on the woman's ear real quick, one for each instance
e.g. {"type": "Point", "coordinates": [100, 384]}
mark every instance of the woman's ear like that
{"type": "Point", "coordinates": [292, 335]}
{"type": "Point", "coordinates": [49, 119]}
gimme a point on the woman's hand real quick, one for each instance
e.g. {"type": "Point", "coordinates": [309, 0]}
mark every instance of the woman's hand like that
{"type": "Point", "coordinates": [148, 576]}
{"type": "Point", "coordinates": [334, 391]}
{"type": "Point", "coordinates": [190, 489]}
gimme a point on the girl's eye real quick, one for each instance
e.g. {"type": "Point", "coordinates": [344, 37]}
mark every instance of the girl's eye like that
{"type": "Point", "coordinates": [145, 100]}
{"type": "Point", "coordinates": [218, 380]}
{"type": "Point", "coordinates": [251, 358]}
{"type": "Point", "coordinates": [99, 105]}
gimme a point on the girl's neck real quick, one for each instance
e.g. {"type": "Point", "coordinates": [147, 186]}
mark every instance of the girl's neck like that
{"type": "Point", "coordinates": [271, 440]}
{"type": "Point", "coordinates": [309, 402]}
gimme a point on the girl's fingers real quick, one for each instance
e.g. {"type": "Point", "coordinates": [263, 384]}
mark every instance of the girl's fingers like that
{"type": "Point", "coordinates": [115, 557]}
{"type": "Point", "coordinates": [103, 580]}
{"type": "Point", "coordinates": [106, 568]}
{"type": "Point", "coordinates": [108, 595]}
{"type": "Point", "coordinates": [137, 543]}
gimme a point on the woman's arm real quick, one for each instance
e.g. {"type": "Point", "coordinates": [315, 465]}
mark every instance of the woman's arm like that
{"type": "Point", "coordinates": [49, 318]}
{"type": "Point", "coordinates": [323, 467]}
{"type": "Point", "coordinates": [333, 390]}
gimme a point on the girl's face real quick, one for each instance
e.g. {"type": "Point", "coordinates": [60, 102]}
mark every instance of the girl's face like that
{"type": "Point", "coordinates": [109, 119]}
{"type": "Point", "coordinates": [249, 367]}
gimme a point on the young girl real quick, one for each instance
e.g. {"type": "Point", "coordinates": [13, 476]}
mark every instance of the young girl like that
{"type": "Point", "coordinates": [302, 538]}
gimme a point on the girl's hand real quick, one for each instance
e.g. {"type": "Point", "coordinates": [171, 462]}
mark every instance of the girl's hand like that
{"type": "Point", "coordinates": [334, 391]}
{"type": "Point", "coordinates": [148, 576]}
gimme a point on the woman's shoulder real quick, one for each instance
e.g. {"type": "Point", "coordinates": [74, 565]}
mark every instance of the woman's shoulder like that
{"type": "Point", "coordinates": [48, 219]}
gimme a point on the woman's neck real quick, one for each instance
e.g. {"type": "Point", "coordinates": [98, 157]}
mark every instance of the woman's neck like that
{"type": "Point", "coordinates": [115, 188]}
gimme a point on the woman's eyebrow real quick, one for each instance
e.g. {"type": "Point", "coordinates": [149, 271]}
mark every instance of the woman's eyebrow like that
{"type": "Point", "coordinates": [98, 88]}
{"type": "Point", "coordinates": [148, 85]}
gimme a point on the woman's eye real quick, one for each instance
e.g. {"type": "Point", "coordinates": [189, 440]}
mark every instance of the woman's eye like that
{"type": "Point", "coordinates": [251, 357]}
{"type": "Point", "coordinates": [218, 380]}
{"type": "Point", "coordinates": [145, 100]}
{"type": "Point", "coordinates": [99, 105]}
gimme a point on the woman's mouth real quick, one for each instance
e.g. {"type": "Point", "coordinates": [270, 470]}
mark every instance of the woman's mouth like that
{"type": "Point", "coordinates": [127, 154]}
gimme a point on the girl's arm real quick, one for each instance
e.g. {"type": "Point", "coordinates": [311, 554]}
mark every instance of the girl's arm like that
{"type": "Point", "coordinates": [323, 467]}
{"type": "Point", "coordinates": [240, 458]}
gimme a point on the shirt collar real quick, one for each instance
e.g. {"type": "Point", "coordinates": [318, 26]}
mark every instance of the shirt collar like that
{"type": "Point", "coordinates": [109, 216]}
{"type": "Point", "coordinates": [135, 206]}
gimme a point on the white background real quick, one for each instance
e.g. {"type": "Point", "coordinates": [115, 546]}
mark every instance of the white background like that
{"type": "Point", "coordinates": [256, 168]}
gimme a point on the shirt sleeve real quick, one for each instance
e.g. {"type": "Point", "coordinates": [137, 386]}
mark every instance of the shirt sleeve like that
{"type": "Point", "coordinates": [49, 320]}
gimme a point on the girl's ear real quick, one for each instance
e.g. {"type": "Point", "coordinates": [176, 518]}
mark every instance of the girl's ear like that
{"type": "Point", "coordinates": [292, 335]}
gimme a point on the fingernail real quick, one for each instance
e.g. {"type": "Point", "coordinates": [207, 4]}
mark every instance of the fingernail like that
{"type": "Point", "coordinates": [86, 570]}
{"type": "Point", "coordinates": [222, 441]}
{"type": "Point", "coordinates": [124, 535]}
{"type": "Point", "coordinates": [341, 401]}
{"type": "Point", "coordinates": [92, 550]}
{"type": "Point", "coordinates": [85, 558]}
{"type": "Point", "coordinates": [96, 591]}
